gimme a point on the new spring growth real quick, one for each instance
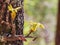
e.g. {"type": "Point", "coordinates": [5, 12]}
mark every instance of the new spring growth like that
{"type": "Point", "coordinates": [34, 27]}
{"type": "Point", "coordinates": [13, 11]}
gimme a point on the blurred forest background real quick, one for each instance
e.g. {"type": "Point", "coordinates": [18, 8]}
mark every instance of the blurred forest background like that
{"type": "Point", "coordinates": [42, 11]}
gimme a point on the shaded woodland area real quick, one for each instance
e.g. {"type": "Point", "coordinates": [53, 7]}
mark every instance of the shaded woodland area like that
{"type": "Point", "coordinates": [15, 25]}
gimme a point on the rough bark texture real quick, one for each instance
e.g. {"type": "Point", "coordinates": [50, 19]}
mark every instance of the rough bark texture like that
{"type": "Point", "coordinates": [19, 20]}
{"type": "Point", "coordinates": [58, 26]}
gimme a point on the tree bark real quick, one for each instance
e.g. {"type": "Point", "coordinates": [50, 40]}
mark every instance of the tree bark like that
{"type": "Point", "coordinates": [19, 20]}
{"type": "Point", "coordinates": [58, 26]}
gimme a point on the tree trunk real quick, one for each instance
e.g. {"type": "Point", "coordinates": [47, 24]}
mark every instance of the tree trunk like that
{"type": "Point", "coordinates": [19, 20]}
{"type": "Point", "coordinates": [58, 26]}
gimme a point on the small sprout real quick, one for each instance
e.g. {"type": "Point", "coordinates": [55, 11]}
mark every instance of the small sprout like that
{"type": "Point", "coordinates": [34, 27]}
{"type": "Point", "coordinates": [13, 11]}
